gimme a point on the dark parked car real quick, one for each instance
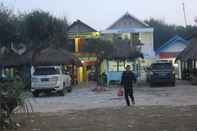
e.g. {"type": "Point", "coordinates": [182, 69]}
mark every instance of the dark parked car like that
{"type": "Point", "coordinates": [161, 73]}
{"type": "Point", "coordinates": [92, 76]}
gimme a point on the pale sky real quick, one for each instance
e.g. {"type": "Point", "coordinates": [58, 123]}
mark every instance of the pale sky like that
{"type": "Point", "coordinates": [102, 13]}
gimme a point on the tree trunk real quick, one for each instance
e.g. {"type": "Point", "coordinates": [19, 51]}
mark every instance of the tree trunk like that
{"type": "Point", "coordinates": [99, 61]}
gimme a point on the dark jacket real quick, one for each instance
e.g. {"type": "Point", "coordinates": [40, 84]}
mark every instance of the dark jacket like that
{"type": "Point", "coordinates": [127, 79]}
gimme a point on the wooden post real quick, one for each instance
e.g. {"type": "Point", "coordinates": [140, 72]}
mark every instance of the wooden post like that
{"type": "Point", "coordinates": [77, 42]}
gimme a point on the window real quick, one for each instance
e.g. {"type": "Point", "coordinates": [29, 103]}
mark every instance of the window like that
{"type": "Point", "coordinates": [135, 38]}
{"type": "Point", "coordinates": [121, 66]}
{"type": "Point", "coordinates": [46, 71]}
{"type": "Point", "coordinates": [113, 65]}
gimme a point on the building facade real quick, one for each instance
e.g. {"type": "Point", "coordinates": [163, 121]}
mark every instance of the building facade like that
{"type": "Point", "coordinates": [78, 32]}
{"type": "Point", "coordinates": [139, 35]}
{"type": "Point", "coordinates": [170, 50]}
{"type": "Point", "coordinates": [137, 32]}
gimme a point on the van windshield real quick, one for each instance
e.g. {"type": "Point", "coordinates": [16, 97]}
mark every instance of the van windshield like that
{"type": "Point", "coordinates": [46, 71]}
{"type": "Point", "coordinates": [160, 66]}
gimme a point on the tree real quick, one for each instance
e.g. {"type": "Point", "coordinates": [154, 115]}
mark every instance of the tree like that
{"type": "Point", "coordinates": [163, 31]}
{"type": "Point", "coordinates": [7, 26]}
{"type": "Point", "coordinates": [43, 30]}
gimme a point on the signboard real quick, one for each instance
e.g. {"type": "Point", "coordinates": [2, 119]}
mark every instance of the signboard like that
{"type": "Point", "coordinates": [165, 55]}
{"type": "Point", "coordinates": [88, 60]}
{"type": "Point", "coordinates": [83, 35]}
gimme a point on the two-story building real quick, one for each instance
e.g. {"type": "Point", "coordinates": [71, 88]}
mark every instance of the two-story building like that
{"type": "Point", "coordinates": [78, 32]}
{"type": "Point", "coordinates": [139, 35]}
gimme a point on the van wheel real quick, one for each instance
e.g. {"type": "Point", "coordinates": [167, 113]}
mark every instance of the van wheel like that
{"type": "Point", "coordinates": [69, 89]}
{"type": "Point", "coordinates": [61, 93]}
{"type": "Point", "coordinates": [151, 84]}
{"type": "Point", "coordinates": [173, 84]}
{"type": "Point", "coordinates": [35, 93]}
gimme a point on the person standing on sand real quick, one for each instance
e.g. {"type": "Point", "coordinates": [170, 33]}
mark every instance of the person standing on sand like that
{"type": "Point", "coordinates": [128, 77]}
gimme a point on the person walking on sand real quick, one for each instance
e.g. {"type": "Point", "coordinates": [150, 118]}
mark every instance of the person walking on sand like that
{"type": "Point", "coordinates": [128, 77]}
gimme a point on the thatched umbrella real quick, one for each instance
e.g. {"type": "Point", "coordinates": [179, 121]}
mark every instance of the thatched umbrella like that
{"type": "Point", "coordinates": [190, 52]}
{"type": "Point", "coordinates": [54, 56]}
{"type": "Point", "coordinates": [123, 51]}
{"type": "Point", "coordinates": [9, 58]}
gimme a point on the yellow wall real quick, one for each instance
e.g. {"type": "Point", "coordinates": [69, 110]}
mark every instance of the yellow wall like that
{"type": "Point", "coordinates": [80, 74]}
{"type": "Point", "coordinates": [77, 42]}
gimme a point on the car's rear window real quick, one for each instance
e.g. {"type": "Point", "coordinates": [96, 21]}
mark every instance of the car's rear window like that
{"type": "Point", "coordinates": [46, 71]}
{"type": "Point", "coordinates": [160, 66]}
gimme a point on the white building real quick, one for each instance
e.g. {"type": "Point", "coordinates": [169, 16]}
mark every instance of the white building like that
{"type": "Point", "coordinates": [129, 27]}
{"type": "Point", "coordinates": [138, 33]}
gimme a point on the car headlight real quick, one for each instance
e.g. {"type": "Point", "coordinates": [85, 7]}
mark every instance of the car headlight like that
{"type": "Point", "coordinates": [54, 79]}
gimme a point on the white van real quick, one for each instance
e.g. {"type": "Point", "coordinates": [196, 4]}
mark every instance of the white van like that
{"type": "Point", "coordinates": [50, 79]}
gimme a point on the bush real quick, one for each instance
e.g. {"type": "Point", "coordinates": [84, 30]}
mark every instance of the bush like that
{"type": "Point", "coordinates": [10, 97]}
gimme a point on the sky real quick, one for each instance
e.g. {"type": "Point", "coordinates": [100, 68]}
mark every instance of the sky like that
{"type": "Point", "coordinates": [100, 14]}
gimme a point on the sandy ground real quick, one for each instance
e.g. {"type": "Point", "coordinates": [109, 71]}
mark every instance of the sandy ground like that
{"type": "Point", "coordinates": [157, 109]}
{"type": "Point", "coordinates": [83, 98]}
{"type": "Point", "coordinates": [140, 118]}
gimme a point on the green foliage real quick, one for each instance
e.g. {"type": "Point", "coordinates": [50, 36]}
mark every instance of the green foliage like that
{"type": "Point", "coordinates": [13, 88]}
{"type": "Point", "coordinates": [42, 29]}
{"type": "Point", "coordinates": [37, 29]}
{"type": "Point", "coordinates": [7, 26]}
{"type": "Point", "coordinates": [11, 96]}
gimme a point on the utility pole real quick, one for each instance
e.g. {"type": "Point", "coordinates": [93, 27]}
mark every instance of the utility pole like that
{"type": "Point", "coordinates": [184, 12]}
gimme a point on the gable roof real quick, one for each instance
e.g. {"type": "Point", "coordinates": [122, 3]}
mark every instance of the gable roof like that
{"type": "Point", "coordinates": [127, 21]}
{"type": "Point", "coordinates": [170, 42]}
{"type": "Point", "coordinates": [80, 27]}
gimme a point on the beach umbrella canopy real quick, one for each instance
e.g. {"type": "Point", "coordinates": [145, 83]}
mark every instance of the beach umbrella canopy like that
{"type": "Point", "coordinates": [54, 56]}
{"type": "Point", "coordinates": [190, 52]}
{"type": "Point", "coordinates": [124, 51]}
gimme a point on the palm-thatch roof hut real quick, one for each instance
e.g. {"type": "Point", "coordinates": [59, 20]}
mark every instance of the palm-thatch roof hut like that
{"type": "Point", "coordinates": [8, 58]}
{"type": "Point", "coordinates": [118, 57]}
{"type": "Point", "coordinates": [190, 52]}
{"type": "Point", "coordinates": [188, 58]}
{"type": "Point", "coordinates": [54, 56]}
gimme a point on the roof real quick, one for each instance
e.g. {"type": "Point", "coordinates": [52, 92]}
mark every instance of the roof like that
{"type": "Point", "coordinates": [80, 27]}
{"type": "Point", "coordinates": [190, 52]}
{"type": "Point", "coordinates": [122, 50]}
{"type": "Point", "coordinates": [8, 58]}
{"type": "Point", "coordinates": [170, 42]}
{"type": "Point", "coordinates": [127, 21]}
{"type": "Point", "coordinates": [119, 49]}
{"type": "Point", "coordinates": [54, 56]}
